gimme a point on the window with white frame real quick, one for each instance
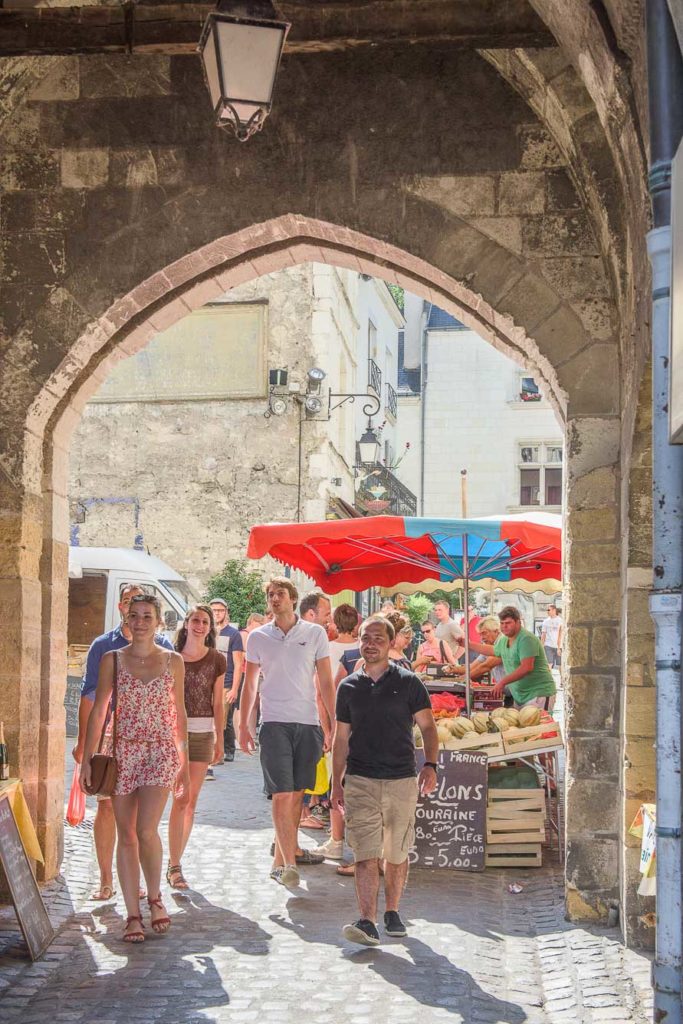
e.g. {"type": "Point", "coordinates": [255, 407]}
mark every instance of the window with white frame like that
{"type": "Point", "coordinates": [540, 474]}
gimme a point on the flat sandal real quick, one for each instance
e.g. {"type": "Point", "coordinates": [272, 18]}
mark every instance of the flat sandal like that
{"type": "Point", "coordinates": [161, 925]}
{"type": "Point", "coordinates": [181, 882]}
{"type": "Point", "coordinates": [134, 937]}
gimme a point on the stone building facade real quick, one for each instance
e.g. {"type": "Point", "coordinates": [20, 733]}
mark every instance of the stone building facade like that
{"type": "Point", "coordinates": [177, 454]}
{"type": "Point", "coordinates": [499, 172]}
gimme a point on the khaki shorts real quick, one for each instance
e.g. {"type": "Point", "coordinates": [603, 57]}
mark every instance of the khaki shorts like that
{"type": "Point", "coordinates": [544, 703]}
{"type": "Point", "coordinates": [380, 817]}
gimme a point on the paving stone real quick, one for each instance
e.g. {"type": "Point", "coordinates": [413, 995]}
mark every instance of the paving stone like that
{"type": "Point", "coordinates": [242, 949]}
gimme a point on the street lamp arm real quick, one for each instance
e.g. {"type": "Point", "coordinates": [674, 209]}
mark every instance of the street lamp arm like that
{"type": "Point", "coordinates": [371, 407]}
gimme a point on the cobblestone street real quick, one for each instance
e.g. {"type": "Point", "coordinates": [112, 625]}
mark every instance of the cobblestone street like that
{"type": "Point", "coordinates": [243, 949]}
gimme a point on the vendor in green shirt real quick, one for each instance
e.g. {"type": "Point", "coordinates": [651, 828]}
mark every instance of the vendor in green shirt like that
{"type": "Point", "coordinates": [527, 674]}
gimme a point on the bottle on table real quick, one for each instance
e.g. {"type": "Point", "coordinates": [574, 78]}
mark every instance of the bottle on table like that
{"type": "Point", "coordinates": [4, 760]}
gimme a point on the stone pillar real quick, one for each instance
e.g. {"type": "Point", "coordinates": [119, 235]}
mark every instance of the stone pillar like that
{"type": "Point", "coordinates": [592, 617]}
{"type": "Point", "coordinates": [639, 706]}
{"type": "Point", "coordinates": [54, 579]}
{"type": "Point", "coordinates": [20, 635]}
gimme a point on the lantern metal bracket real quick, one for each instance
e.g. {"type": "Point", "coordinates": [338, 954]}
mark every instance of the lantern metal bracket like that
{"type": "Point", "coordinates": [371, 408]}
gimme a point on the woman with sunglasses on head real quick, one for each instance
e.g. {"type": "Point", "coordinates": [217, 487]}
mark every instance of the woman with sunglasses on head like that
{"type": "Point", "coordinates": [403, 636]}
{"type": "Point", "coordinates": [149, 743]}
{"type": "Point", "coordinates": [204, 679]}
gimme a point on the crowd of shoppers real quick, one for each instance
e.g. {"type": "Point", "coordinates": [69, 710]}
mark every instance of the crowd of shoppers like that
{"type": "Point", "coordinates": [331, 693]}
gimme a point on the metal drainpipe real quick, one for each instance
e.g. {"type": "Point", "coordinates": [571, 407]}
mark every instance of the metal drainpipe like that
{"type": "Point", "coordinates": [665, 79]}
{"type": "Point", "coordinates": [426, 313]}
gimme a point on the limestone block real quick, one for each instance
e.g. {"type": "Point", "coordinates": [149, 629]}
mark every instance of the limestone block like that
{"type": "Point", "coordinates": [529, 302]}
{"type": "Point", "coordinates": [133, 168]}
{"type": "Point", "coordinates": [461, 195]}
{"type": "Point", "coordinates": [593, 756]}
{"type": "Point", "coordinates": [561, 193]}
{"type": "Point", "coordinates": [85, 168]}
{"type": "Point", "coordinates": [593, 701]}
{"type": "Point", "coordinates": [597, 316]}
{"type": "Point", "coordinates": [560, 337]}
{"type": "Point", "coordinates": [507, 231]}
{"type": "Point", "coordinates": [576, 646]}
{"type": "Point", "coordinates": [595, 598]}
{"type": "Point", "coordinates": [521, 192]}
{"type": "Point", "coordinates": [35, 256]}
{"type": "Point", "coordinates": [596, 524]}
{"type": "Point", "coordinates": [104, 76]}
{"type": "Point", "coordinates": [635, 674]}
{"type": "Point", "coordinates": [592, 862]}
{"type": "Point", "coordinates": [591, 377]}
{"type": "Point", "coordinates": [557, 235]}
{"type": "Point", "coordinates": [640, 782]}
{"type": "Point", "coordinates": [35, 169]}
{"type": "Point", "coordinates": [539, 150]}
{"type": "Point", "coordinates": [592, 441]}
{"type": "Point", "coordinates": [605, 645]}
{"type": "Point", "coordinates": [592, 806]}
{"type": "Point", "coordinates": [639, 711]}
{"type": "Point", "coordinates": [587, 559]}
{"type": "Point", "coordinates": [60, 83]}
{"type": "Point", "coordinates": [594, 490]}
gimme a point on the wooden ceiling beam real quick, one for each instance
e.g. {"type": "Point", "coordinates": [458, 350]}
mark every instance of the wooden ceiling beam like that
{"type": "Point", "coordinates": [154, 26]}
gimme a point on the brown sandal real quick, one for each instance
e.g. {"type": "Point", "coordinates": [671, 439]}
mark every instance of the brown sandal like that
{"type": "Point", "coordinates": [161, 925]}
{"type": "Point", "coordinates": [175, 870]}
{"type": "Point", "coordinates": [134, 937]}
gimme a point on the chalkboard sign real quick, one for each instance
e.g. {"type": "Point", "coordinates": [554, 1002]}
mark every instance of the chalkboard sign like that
{"type": "Point", "coordinates": [450, 824]}
{"type": "Point", "coordinates": [28, 904]}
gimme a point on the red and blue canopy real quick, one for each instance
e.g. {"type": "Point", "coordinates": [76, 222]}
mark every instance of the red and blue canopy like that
{"type": "Point", "coordinates": [384, 551]}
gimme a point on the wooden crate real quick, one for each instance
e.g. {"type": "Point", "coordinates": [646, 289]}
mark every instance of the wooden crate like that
{"type": "Point", "coordinates": [522, 741]}
{"type": "Point", "coordinates": [525, 855]}
{"type": "Point", "coordinates": [515, 816]}
{"type": "Point", "coordinates": [490, 743]}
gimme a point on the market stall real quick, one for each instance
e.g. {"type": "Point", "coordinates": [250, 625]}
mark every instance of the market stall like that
{"type": "Point", "coordinates": [395, 552]}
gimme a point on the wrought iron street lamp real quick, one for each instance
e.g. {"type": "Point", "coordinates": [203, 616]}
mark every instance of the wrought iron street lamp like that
{"type": "Point", "coordinates": [369, 447]}
{"type": "Point", "coordinates": [240, 47]}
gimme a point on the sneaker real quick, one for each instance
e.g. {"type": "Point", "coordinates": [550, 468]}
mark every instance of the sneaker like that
{"type": "Point", "coordinates": [209, 777]}
{"type": "Point", "coordinates": [363, 932]}
{"type": "Point", "coordinates": [333, 849]}
{"type": "Point", "coordinates": [287, 876]}
{"type": "Point", "coordinates": [230, 756]}
{"type": "Point", "coordinates": [393, 925]}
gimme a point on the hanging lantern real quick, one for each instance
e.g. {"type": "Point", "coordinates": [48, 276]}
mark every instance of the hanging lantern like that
{"type": "Point", "coordinates": [240, 47]}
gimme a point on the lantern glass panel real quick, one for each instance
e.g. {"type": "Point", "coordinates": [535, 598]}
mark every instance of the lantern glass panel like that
{"type": "Point", "coordinates": [249, 57]}
{"type": "Point", "coordinates": [211, 69]}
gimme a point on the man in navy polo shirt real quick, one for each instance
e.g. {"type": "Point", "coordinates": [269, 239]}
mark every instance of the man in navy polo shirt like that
{"type": "Point", "coordinates": [104, 828]}
{"type": "Point", "coordinates": [229, 642]}
{"type": "Point", "coordinates": [374, 774]}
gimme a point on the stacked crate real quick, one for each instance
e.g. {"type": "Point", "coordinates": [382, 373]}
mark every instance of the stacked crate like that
{"type": "Point", "coordinates": [515, 828]}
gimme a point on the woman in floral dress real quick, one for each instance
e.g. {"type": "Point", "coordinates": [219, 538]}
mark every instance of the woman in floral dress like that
{"type": "Point", "coordinates": [151, 755]}
{"type": "Point", "coordinates": [204, 677]}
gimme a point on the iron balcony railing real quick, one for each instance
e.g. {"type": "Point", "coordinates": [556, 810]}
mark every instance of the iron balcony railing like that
{"type": "Point", "coordinates": [382, 493]}
{"type": "Point", "coordinates": [375, 377]}
{"type": "Point", "coordinates": [392, 401]}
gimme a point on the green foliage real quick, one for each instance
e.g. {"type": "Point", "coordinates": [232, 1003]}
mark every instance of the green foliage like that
{"type": "Point", "coordinates": [398, 295]}
{"type": "Point", "coordinates": [418, 607]}
{"type": "Point", "coordinates": [241, 587]}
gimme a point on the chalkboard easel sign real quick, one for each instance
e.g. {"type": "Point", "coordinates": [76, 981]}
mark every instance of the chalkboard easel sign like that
{"type": "Point", "coordinates": [28, 903]}
{"type": "Point", "coordinates": [450, 824]}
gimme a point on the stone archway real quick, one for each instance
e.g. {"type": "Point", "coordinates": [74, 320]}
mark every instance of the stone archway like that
{"type": "Point", "coordinates": [262, 249]}
{"type": "Point", "coordinates": [129, 183]}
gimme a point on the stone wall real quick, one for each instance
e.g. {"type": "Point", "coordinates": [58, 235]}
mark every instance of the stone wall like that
{"type": "Point", "coordinates": [187, 480]}
{"type": "Point", "coordinates": [508, 188]}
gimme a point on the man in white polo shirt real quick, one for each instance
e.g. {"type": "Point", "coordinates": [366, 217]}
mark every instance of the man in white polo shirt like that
{"type": "Point", "coordinates": [287, 652]}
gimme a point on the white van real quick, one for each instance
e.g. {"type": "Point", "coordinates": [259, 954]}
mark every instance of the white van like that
{"type": "Point", "coordinates": [96, 578]}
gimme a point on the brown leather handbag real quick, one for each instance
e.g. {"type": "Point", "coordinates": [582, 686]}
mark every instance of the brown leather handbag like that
{"type": "Point", "coordinates": [103, 770]}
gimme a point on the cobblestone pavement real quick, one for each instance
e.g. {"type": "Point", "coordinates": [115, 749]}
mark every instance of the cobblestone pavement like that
{"type": "Point", "coordinates": [243, 949]}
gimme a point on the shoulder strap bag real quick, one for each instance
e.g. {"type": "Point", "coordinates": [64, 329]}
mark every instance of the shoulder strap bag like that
{"type": "Point", "coordinates": [103, 769]}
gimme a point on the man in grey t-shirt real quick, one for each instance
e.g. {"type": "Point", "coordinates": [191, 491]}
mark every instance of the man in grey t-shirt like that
{"type": "Point", "coordinates": [288, 652]}
{"type": "Point", "coordinates": [447, 628]}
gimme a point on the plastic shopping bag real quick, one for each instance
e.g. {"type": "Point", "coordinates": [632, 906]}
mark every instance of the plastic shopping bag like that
{"type": "Point", "coordinates": [322, 776]}
{"type": "Point", "coordinates": [75, 811]}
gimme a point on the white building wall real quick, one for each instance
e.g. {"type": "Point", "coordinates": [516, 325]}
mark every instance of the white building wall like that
{"type": "Point", "coordinates": [474, 420]}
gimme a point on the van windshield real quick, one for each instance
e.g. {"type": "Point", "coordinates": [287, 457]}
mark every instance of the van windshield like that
{"type": "Point", "coordinates": [183, 592]}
